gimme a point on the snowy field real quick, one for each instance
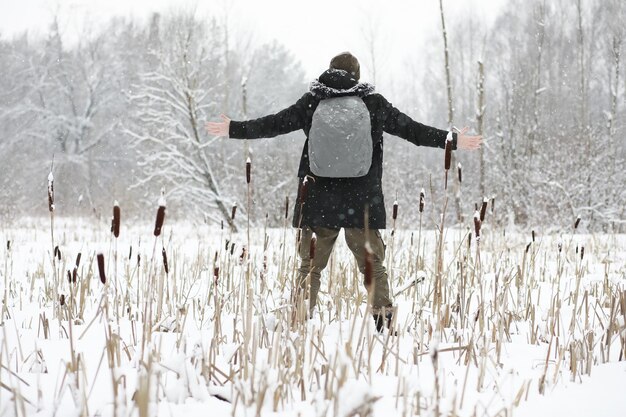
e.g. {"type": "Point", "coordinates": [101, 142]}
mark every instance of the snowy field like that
{"type": "Point", "coordinates": [521, 325]}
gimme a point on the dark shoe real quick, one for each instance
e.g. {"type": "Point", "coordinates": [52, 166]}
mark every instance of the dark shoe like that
{"type": "Point", "coordinates": [383, 317]}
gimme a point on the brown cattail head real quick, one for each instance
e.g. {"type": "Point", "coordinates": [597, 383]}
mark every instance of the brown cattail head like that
{"type": "Point", "coordinates": [69, 277]}
{"type": "Point", "coordinates": [103, 277]}
{"type": "Point", "coordinates": [459, 169]}
{"type": "Point", "coordinates": [232, 249]}
{"type": "Point", "coordinates": [560, 246]}
{"type": "Point", "coordinates": [493, 204]}
{"type": "Point", "coordinates": [303, 190]}
{"type": "Point", "coordinates": [477, 224]}
{"type": "Point", "coordinates": [130, 253]}
{"type": "Point", "coordinates": [8, 245]}
{"type": "Point", "coordinates": [528, 246]}
{"type": "Point", "coordinates": [50, 192]}
{"type": "Point", "coordinates": [216, 273]}
{"type": "Point", "coordinates": [582, 252]}
{"type": "Point", "coordinates": [286, 207]}
{"type": "Point", "coordinates": [62, 299]}
{"type": "Point", "coordinates": [74, 275]}
{"type": "Point", "coordinates": [422, 200]}
{"type": "Point", "coordinates": [248, 169]}
{"type": "Point", "coordinates": [395, 210]}
{"type": "Point", "coordinates": [532, 233]}
{"type": "Point", "coordinates": [138, 260]}
{"type": "Point", "coordinates": [160, 216]}
{"type": "Point", "coordinates": [369, 267]}
{"type": "Point", "coordinates": [312, 246]}
{"type": "Point", "coordinates": [233, 211]}
{"type": "Point", "coordinates": [78, 259]}
{"type": "Point", "coordinates": [483, 209]}
{"type": "Point", "coordinates": [116, 219]}
{"type": "Point", "coordinates": [57, 252]}
{"type": "Point", "coordinates": [165, 265]}
{"type": "Point", "coordinates": [244, 254]}
{"type": "Point", "coordinates": [448, 157]}
{"type": "Point", "coordinates": [216, 255]}
{"type": "Point", "coordinates": [577, 222]}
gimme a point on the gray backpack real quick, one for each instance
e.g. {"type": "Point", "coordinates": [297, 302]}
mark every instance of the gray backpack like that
{"type": "Point", "coordinates": [340, 139]}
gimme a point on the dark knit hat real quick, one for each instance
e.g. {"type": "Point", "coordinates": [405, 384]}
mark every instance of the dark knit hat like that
{"type": "Point", "coordinates": [347, 62]}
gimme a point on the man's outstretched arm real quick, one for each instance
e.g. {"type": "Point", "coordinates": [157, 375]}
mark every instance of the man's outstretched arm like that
{"type": "Point", "coordinates": [399, 124]}
{"type": "Point", "coordinates": [285, 121]}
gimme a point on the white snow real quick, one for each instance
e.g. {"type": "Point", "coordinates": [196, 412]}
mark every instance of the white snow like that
{"type": "Point", "coordinates": [514, 337]}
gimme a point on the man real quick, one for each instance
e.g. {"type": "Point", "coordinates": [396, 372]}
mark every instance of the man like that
{"type": "Point", "coordinates": [341, 169]}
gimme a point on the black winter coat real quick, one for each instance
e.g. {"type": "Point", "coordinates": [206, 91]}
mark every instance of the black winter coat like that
{"type": "Point", "coordinates": [341, 202]}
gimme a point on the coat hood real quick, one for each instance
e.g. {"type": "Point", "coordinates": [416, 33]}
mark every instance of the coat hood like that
{"type": "Point", "coordinates": [339, 83]}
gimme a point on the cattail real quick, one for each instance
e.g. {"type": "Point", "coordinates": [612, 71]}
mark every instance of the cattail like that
{"type": "Point", "coordinates": [74, 275]}
{"type": "Point", "coordinates": [164, 255]}
{"type": "Point", "coordinates": [62, 299]}
{"type": "Point", "coordinates": [130, 253]}
{"type": "Point", "coordinates": [459, 168]}
{"type": "Point", "coordinates": [560, 246]}
{"type": "Point", "coordinates": [103, 277]}
{"type": "Point", "coordinates": [57, 252]}
{"type": "Point", "coordinates": [493, 204]}
{"type": "Point", "coordinates": [528, 246]}
{"type": "Point", "coordinates": [160, 216]}
{"type": "Point", "coordinates": [532, 233]}
{"type": "Point", "coordinates": [69, 277]}
{"type": "Point", "coordinates": [50, 192]}
{"type": "Point", "coordinates": [216, 273]}
{"type": "Point", "coordinates": [369, 267]}
{"type": "Point", "coordinates": [422, 200]}
{"type": "Point", "coordinates": [395, 210]}
{"type": "Point", "coordinates": [582, 252]}
{"type": "Point", "coordinates": [477, 225]}
{"type": "Point", "coordinates": [78, 259]}
{"type": "Point", "coordinates": [448, 157]}
{"type": "Point", "coordinates": [232, 249]}
{"type": "Point", "coordinates": [138, 260]}
{"type": "Point", "coordinates": [215, 257]}
{"type": "Point", "coordinates": [233, 211]}
{"type": "Point", "coordinates": [248, 169]}
{"type": "Point", "coordinates": [8, 245]}
{"type": "Point", "coordinates": [312, 246]}
{"type": "Point", "coordinates": [286, 207]}
{"type": "Point", "coordinates": [303, 190]}
{"type": "Point", "coordinates": [577, 222]}
{"type": "Point", "coordinates": [483, 209]}
{"type": "Point", "coordinates": [226, 245]}
{"type": "Point", "coordinates": [244, 252]}
{"type": "Point", "coordinates": [116, 219]}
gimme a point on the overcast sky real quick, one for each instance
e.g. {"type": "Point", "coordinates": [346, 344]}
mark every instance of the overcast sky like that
{"type": "Point", "coordinates": [313, 30]}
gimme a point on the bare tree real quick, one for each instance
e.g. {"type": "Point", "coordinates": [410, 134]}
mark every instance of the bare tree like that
{"type": "Point", "coordinates": [172, 102]}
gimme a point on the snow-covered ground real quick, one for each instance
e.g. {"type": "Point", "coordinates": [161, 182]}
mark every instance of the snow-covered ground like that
{"type": "Point", "coordinates": [515, 327]}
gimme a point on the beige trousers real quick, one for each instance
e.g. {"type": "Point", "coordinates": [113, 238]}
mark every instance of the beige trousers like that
{"type": "Point", "coordinates": [355, 238]}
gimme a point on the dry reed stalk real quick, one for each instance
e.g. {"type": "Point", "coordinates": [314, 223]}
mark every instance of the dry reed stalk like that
{"type": "Point", "coordinates": [51, 209]}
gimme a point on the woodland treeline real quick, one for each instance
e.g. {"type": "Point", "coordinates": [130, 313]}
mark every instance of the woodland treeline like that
{"type": "Point", "coordinates": [121, 115]}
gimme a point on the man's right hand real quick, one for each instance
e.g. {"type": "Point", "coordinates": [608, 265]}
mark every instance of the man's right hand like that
{"type": "Point", "coordinates": [467, 142]}
{"type": "Point", "coordinates": [218, 128]}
